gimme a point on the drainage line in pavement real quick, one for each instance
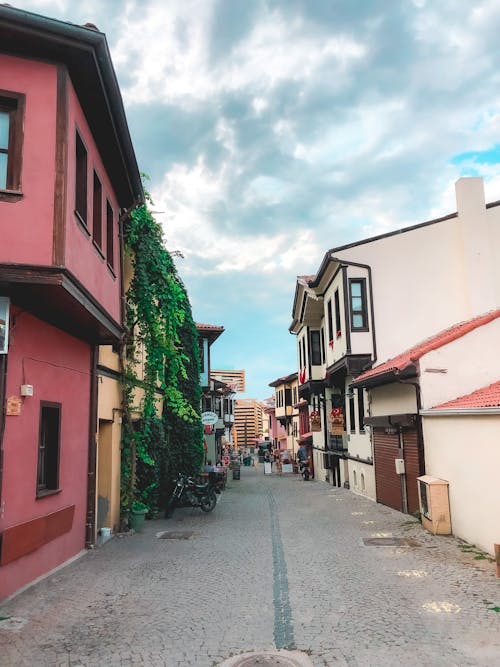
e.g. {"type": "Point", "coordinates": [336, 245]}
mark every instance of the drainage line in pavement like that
{"type": "Point", "coordinates": [283, 627]}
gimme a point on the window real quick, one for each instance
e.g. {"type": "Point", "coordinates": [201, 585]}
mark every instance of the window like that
{"type": "Point", "coordinates": [330, 320]}
{"type": "Point", "coordinates": [48, 448]}
{"type": "Point", "coordinates": [315, 348]}
{"type": "Point", "coordinates": [97, 212]}
{"type": "Point", "coordinates": [11, 140]}
{"type": "Point", "coordinates": [359, 314]}
{"type": "Point", "coordinates": [352, 414]}
{"type": "Point", "coordinates": [361, 411]}
{"type": "Point", "coordinates": [81, 180]}
{"type": "Point", "coordinates": [338, 325]}
{"type": "Point", "coordinates": [323, 355]}
{"type": "Point", "coordinates": [4, 324]}
{"type": "Point", "coordinates": [110, 237]}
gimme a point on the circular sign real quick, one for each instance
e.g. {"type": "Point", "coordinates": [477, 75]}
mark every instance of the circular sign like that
{"type": "Point", "coordinates": [209, 418]}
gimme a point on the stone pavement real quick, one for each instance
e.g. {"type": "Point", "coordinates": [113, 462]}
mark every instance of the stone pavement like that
{"type": "Point", "coordinates": [280, 564]}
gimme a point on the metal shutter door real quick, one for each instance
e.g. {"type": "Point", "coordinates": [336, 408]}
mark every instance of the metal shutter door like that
{"type": "Point", "coordinates": [388, 483]}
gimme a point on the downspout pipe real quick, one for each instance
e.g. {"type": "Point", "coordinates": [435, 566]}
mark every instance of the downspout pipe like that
{"type": "Point", "coordinates": [90, 526]}
{"type": "Point", "coordinates": [420, 435]}
{"type": "Point", "coordinates": [3, 412]}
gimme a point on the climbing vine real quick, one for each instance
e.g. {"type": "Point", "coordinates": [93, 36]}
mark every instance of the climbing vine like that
{"type": "Point", "coordinates": [162, 361]}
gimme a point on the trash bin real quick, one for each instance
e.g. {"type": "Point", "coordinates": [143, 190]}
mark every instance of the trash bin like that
{"type": "Point", "coordinates": [236, 472]}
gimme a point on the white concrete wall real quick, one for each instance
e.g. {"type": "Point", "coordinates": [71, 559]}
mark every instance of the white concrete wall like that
{"type": "Point", "coordinates": [465, 452]}
{"type": "Point", "coordinates": [362, 479]}
{"type": "Point", "coordinates": [392, 399]}
{"type": "Point", "coordinates": [446, 269]}
{"type": "Point", "coordinates": [470, 362]}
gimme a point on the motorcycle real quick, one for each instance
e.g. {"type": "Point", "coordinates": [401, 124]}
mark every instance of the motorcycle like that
{"type": "Point", "coordinates": [304, 470]}
{"type": "Point", "coordinates": [187, 493]}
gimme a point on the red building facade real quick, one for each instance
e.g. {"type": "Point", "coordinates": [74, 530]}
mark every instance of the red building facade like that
{"type": "Point", "coordinates": [67, 174]}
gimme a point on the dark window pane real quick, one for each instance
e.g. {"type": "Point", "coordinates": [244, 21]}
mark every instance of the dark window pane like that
{"type": "Point", "coordinates": [48, 448]}
{"type": "Point", "coordinates": [81, 179]}
{"type": "Point", "coordinates": [97, 212]}
{"type": "Point", "coordinates": [110, 250]}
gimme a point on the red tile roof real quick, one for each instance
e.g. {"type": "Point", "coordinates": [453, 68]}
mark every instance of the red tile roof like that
{"type": "Point", "coordinates": [412, 355]}
{"type": "Point", "coordinates": [487, 397]}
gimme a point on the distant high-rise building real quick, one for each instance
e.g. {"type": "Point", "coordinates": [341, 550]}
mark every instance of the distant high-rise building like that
{"type": "Point", "coordinates": [234, 379]}
{"type": "Point", "coordinates": [247, 422]}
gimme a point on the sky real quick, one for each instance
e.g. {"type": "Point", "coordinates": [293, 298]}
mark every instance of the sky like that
{"type": "Point", "coordinates": [273, 130]}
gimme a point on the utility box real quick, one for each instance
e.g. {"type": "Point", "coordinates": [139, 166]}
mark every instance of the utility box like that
{"type": "Point", "coordinates": [400, 466]}
{"type": "Point", "coordinates": [434, 504]}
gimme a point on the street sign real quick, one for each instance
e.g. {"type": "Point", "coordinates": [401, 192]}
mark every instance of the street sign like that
{"type": "Point", "coordinates": [209, 418]}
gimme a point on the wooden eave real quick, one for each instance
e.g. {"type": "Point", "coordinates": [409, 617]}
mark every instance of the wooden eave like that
{"type": "Point", "coordinates": [54, 295]}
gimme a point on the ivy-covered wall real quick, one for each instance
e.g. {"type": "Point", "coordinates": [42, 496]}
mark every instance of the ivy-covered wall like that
{"type": "Point", "coordinates": [161, 328]}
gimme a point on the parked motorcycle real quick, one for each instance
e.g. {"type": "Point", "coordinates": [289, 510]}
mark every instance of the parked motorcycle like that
{"type": "Point", "coordinates": [304, 470]}
{"type": "Point", "coordinates": [187, 493]}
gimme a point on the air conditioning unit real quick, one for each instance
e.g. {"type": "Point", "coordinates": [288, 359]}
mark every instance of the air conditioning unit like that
{"type": "Point", "coordinates": [434, 504]}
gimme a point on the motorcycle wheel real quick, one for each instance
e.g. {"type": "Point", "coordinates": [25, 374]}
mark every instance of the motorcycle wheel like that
{"type": "Point", "coordinates": [306, 475]}
{"type": "Point", "coordinates": [208, 502]}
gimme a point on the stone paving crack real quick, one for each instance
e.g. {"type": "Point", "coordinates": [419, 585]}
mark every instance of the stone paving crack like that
{"type": "Point", "coordinates": [283, 626]}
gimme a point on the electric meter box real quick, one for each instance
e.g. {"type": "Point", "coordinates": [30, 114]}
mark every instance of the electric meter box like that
{"type": "Point", "coordinates": [400, 466]}
{"type": "Point", "coordinates": [434, 505]}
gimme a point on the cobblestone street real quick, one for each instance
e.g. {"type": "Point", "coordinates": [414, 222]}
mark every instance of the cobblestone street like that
{"type": "Point", "coordinates": [280, 563]}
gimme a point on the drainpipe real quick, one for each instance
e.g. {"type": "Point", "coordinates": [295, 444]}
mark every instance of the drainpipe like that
{"type": "Point", "coordinates": [92, 452]}
{"type": "Point", "coordinates": [404, 491]}
{"type": "Point", "coordinates": [3, 384]}
{"type": "Point", "coordinates": [420, 435]}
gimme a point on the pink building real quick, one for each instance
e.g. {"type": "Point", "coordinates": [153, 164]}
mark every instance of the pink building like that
{"type": "Point", "coordinates": [67, 170]}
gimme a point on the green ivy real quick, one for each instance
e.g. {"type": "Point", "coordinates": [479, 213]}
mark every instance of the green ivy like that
{"type": "Point", "coordinates": [160, 326]}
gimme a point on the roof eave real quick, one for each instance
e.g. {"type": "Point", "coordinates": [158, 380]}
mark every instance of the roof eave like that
{"type": "Point", "coordinates": [26, 33]}
{"type": "Point", "coordinates": [386, 377]}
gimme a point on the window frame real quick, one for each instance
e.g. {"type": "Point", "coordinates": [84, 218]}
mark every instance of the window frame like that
{"type": "Point", "coordinates": [46, 488]}
{"type": "Point", "coordinates": [329, 320]}
{"type": "Point", "coordinates": [315, 343]}
{"type": "Point", "coordinates": [81, 181]}
{"type": "Point", "coordinates": [361, 409]}
{"type": "Point", "coordinates": [338, 321]}
{"type": "Point", "coordinates": [364, 305]}
{"type": "Point", "coordinates": [110, 236]}
{"type": "Point", "coordinates": [14, 104]}
{"type": "Point", "coordinates": [97, 212]}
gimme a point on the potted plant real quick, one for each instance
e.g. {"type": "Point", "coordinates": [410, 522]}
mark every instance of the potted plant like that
{"type": "Point", "coordinates": [138, 511]}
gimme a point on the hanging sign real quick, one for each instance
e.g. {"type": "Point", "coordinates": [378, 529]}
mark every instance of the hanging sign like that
{"type": "Point", "coordinates": [209, 418]}
{"type": "Point", "coordinates": [337, 421]}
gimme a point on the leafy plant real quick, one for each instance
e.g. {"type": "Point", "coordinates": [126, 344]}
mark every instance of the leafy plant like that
{"type": "Point", "coordinates": [137, 506]}
{"type": "Point", "coordinates": [162, 341]}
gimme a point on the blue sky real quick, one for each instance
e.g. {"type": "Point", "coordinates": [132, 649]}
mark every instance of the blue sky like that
{"type": "Point", "coordinates": [273, 130]}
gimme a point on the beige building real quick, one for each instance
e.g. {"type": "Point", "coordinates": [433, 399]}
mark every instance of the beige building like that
{"type": "Point", "coordinates": [286, 398]}
{"type": "Point", "coordinates": [371, 299]}
{"type": "Point", "coordinates": [247, 422]}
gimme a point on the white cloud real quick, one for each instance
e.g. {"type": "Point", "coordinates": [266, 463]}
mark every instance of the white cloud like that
{"type": "Point", "coordinates": [165, 49]}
